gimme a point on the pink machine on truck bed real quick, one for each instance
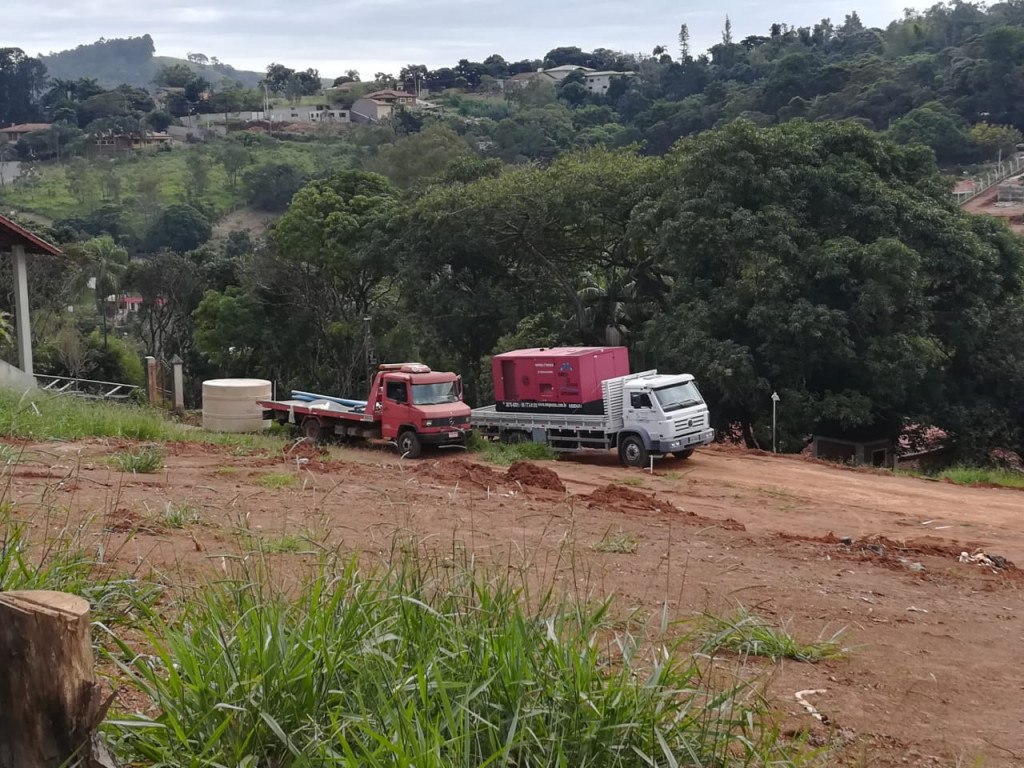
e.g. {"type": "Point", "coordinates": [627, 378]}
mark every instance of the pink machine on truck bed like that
{"type": "Point", "coordinates": [575, 398]}
{"type": "Point", "coordinates": [408, 404]}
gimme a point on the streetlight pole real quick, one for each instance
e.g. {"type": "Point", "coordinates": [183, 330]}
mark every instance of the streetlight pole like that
{"type": "Point", "coordinates": [775, 402]}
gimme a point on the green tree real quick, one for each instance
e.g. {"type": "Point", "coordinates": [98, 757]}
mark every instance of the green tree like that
{"type": "Point", "coordinates": [821, 262]}
{"type": "Point", "coordinates": [332, 244]}
{"type": "Point", "coordinates": [230, 330]}
{"type": "Point", "coordinates": [419, 155]}
{"type": "Point", "coordinates": [935, 126]}
{"type": "Point", "coordinates": [106, 266]}
{"type": "Point", "coordinates": [22, 81]}
{"type": "Point", "coordinates": [173, 76]}
{"type": "Point", "coordinates": [180, 228]}
{"type": "Point", "coordinates": [197, 177]}
{"type": "Point", "coordinates": [234, 156]}
{"type": "Point", "coordinates": [271, 186]}
{"type": "Point", "coordinates": [995, 141]}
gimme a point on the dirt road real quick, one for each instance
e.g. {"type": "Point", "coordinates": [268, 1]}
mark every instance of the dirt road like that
{"type": "Point", "coordinates": [933, 675]}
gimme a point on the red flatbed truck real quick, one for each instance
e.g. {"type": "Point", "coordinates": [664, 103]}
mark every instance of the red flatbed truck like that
{"type": "Point", "coordinates": [409, 404]}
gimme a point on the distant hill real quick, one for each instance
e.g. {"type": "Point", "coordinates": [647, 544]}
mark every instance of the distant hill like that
{"type": "Point", "coordinates": [131, 60]}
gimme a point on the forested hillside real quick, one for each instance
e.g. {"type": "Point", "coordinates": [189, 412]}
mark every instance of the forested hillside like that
{"type": "Point", "coordinates": [130, 61]}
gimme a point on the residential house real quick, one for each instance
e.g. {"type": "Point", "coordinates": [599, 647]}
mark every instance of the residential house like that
{"type": "Point", "coordinates": [399, 98]}
{"type": "Point", "coordinates": [595, 81]}
{"type": "Point", "coordinates": [366, 110]}
{"type": "Point", "coordinates": [598, 82]}
{"type": "Point", "coordinates": [14, 133]}
{"type": "Point", "coordinates": [558, 74]}
{"type": "Point", "coordinates": [109, 142]}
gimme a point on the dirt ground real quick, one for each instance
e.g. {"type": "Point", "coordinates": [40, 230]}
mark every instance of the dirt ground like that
{"type": "Point", "coordinates": [934, 674]}
{"type": "Point", "coordinates": [987, 203]}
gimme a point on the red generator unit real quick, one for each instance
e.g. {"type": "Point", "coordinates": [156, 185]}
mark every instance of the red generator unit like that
{"type": "Point", "coordinates": [556, 379]}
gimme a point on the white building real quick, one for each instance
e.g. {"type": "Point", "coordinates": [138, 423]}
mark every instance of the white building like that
{"type": "Point", "coordinates": [598, 82]}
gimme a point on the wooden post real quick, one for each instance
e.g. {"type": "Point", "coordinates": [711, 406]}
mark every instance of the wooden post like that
{"type": "Point", "coordinates": [179, 385]}
{"type": "Point", "coordinates": [50, 702]}
{"type": "Point", "coordinates": [152, 388]}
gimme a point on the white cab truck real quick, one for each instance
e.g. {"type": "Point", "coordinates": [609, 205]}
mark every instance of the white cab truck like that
{"type": "Point", "coordinates": [644, 415]}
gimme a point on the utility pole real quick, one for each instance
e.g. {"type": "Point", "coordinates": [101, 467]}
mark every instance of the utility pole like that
{"type": "Point", "coordinates": [371, 355]}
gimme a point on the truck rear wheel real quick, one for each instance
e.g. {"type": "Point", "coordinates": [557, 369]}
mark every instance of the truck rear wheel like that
{"type": "Point", "coordinates": [633, 452]}
{"type": "Point", "coordinates": [514, 437]}
{"type": "Point", "coordinates": [409, 444]}
{"type": "Point", "coordinates": [312, 429]}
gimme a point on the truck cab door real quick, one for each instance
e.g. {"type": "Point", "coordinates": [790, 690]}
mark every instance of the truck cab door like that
{"type": "Point", "coordinates": [396, 408]}
{"type": "Point", "coordinates": [641, 411]}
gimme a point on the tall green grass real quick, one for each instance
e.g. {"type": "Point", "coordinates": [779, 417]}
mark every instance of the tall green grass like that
{"type": "Point", "coordinates": [505, 454]}
{"type": "Point", "coordinates": [425, 666]}
{"type": "Point", "coordinates": [966, 475]}
{"type": "Point", "coordinates": [62, 564]}
{"type": "Point", "coordinates": [44, 416]}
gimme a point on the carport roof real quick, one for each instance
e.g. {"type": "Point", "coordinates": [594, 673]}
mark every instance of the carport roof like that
{"type": "Point", "coordinates": [11, 234]}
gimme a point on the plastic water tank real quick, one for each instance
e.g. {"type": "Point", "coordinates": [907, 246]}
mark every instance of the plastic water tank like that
{"type": "Point", "coordinates": [229, 405]}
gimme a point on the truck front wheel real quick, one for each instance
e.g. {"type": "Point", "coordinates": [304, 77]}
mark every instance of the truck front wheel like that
{"type": "Point", "coordinates": [409, 444]}
{"type": "Point", "coordinates": [633, 452]}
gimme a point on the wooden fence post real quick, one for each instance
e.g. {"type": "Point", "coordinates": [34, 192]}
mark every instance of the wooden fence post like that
{"type": "Point", "coordinates": [50, 702]}
{"type": "Point", "coordinates": [177, 365]}
{"type": "Point", "coordinates": [153, 386]}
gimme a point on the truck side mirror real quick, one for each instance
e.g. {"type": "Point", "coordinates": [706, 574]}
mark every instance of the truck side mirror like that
{"type": "Point", "coordinates": [458, 386]}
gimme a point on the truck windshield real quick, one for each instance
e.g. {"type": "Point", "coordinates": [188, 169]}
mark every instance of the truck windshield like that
{"type": "Point", "coordinates": [678, 396]}
{"type": "Point", "coordinates": [434, 394]}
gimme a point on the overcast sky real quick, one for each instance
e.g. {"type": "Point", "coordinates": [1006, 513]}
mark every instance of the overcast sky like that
{"type": "Point", "coordinates": [384, 35]}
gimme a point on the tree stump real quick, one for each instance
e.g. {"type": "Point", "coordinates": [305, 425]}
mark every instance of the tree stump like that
{"type": "Point", "coordinates": [50, 702]}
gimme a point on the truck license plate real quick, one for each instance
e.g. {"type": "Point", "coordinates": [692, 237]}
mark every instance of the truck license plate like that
{"type": "Point", "coordinates": [453, 435]}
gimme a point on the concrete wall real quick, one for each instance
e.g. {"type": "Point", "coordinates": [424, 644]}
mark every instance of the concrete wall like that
{"type": "Point", "coordinates": [12, 377]}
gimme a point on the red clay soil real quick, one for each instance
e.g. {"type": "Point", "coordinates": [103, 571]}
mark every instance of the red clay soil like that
{"type": "Point", "coordinates": [534, 476]}
{"type": "Point", "coordinates": [933, 676]}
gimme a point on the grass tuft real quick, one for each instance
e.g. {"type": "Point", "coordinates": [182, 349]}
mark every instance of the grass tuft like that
{"type": "Point", "coordinates": [145, 461]}
{"type": "Point", "coordinates": [62, 565]}
{"type": "Point", "coordinates": [620, 543]}
{"type": "Point", "coordinates": [422, 664]}
{"type": "Point", "coordinates": [500, 453]}
{"type": "Point", "coordinates": [748, 634]}
{"type": "Point", "coordinates": [278, 480]}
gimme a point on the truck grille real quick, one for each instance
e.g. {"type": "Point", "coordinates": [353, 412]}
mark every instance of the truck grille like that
{"type": "Point", "coordinates": [448, 421]}
{"type": "Point", "coordinates": [685, 426]}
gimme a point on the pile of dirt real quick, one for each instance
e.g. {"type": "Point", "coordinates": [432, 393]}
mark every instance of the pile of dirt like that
{"type": "Point", "coordinates": [531, 475]}
{"type": "Point", "coordinates": [629, 500]}
{"type": "Point", "coordinates": [462, 472]}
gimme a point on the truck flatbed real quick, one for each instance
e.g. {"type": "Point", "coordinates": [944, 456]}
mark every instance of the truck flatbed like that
{"type": "Point", "coordinates": [317, 408]}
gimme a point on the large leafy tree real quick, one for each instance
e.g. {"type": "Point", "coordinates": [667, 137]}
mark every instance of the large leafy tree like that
{"type": "Point", "coordinates": [556, 242]}
{"type": "Point", "coordinates": [824, 263]}
{"type": "Point", "coordinates": [22, 81]}
{"type": "Point", "coordinates": [327, 270]}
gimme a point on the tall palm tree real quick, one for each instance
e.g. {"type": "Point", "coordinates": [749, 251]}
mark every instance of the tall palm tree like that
{"type": "Point", "coordinates": [107, 264]}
